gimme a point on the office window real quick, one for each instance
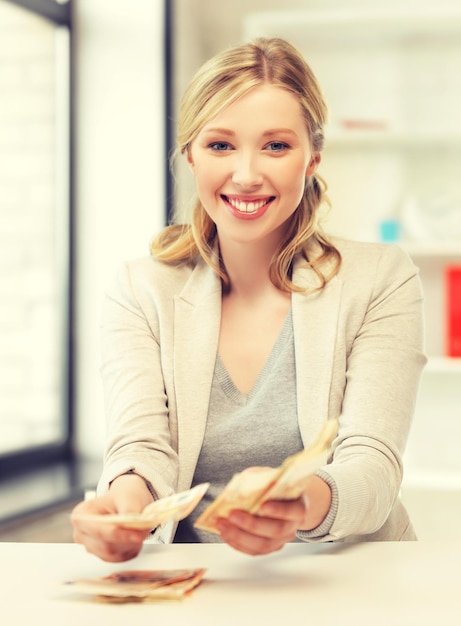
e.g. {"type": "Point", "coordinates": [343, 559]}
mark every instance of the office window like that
{"type": "Point", "coordinates": [34, 228]}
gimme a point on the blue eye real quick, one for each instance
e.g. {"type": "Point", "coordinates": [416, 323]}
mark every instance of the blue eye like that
{"type": "Point", "coordinates": [220, 146]}
{"type": "Point", "coordinates": [277, 146]}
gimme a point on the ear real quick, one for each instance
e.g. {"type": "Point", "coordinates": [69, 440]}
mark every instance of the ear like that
{"type": "Point", "coordinates": [313, 164]}
{"type": "Point", "coordinates": [190, 161]}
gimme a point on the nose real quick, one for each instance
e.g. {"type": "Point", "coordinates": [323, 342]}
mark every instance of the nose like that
{"type": "Point", "coordinates": [247, 174]}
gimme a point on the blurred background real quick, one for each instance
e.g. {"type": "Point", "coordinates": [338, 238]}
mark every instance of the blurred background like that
{"type": "Point", "coordinates": [88, 98]}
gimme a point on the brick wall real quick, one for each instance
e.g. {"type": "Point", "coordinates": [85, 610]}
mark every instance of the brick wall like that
{"type": "Point", "coordinates": [30, 334]}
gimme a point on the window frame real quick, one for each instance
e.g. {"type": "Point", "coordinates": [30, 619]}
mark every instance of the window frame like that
{"type": "Point", "coordinates": [34, 457]}
{"type": "Point", "coordinates": [54, 11]}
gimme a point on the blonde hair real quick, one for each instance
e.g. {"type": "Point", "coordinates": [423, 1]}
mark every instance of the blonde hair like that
{"type": "Point", "coordinates": [220, 82]}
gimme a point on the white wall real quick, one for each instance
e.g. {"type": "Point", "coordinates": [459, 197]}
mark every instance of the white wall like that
{"type": "Point", "coordinates": [120, 170]}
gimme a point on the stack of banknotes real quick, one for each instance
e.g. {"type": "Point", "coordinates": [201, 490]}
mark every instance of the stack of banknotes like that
{"type": "Point", "coordinates": [139, 585]}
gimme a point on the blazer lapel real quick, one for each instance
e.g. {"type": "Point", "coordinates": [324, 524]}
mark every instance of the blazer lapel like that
{"type": "Point", "coordinates": [315, 321]}
{"type": "Point", "coordinates": [196, 334]}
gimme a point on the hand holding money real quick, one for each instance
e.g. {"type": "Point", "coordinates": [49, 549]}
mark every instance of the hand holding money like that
{"type": "Point", "coordinates": [171, 508]}
{"type": "Point", "coordinates": [115, 525]}
{"type": "Point", "coordinates": [247, 491]}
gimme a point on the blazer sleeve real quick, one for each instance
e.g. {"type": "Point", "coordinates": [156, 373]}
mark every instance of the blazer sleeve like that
{"type": "Point", "coordinates": [138, 433]}
{"type": "Point", "coordinates": [382, 330]}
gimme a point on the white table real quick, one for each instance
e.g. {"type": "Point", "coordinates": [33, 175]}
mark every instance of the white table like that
{"type": "Point", "coordinates": [375, 584]}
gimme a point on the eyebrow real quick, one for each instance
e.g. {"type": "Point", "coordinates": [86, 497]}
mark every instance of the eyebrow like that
{"type": "Point", "coordinates": [267, 133]}
{"type": "Point", "coordinates": [221, 131]}
{"type": "Point", "coordinates": [279, 131]}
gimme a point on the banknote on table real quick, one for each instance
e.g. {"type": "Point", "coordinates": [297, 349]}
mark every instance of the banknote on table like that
{"type": "Point", "coordinates": [172, 508]}
{"type": "Point", "coordinates": [139, 585]}
{"type": "Point", "coordinates": [250, 489]}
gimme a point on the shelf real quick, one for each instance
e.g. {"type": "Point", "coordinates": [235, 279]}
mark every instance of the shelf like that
{"type": "Point", "coordinates": [386, 51]}
{"type": "Point", "coordinates": [348, 24]}
{"type": "Point", "coordinates": [390, 77]}
{"type": "Point", "coordinates": [369, 138]}
{"type": "Point", "coordinates": [443, 365]}
{"type": "Point", "coordinates": [431, 479]}
{"type": "Point", "coordinates": [449, 250]}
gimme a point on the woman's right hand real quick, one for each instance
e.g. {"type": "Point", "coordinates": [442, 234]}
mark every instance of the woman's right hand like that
{"type": "Point", "coordinates": [127, 494]}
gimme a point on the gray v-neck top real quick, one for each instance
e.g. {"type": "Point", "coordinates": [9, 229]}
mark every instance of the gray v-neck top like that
{"type": "Point", "coordinates": [257, 429]}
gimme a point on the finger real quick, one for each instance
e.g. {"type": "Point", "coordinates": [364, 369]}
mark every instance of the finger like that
{"type": "Point", "coordinates": [246, 542]}
{"type": "Point", "coordinates": [108, 550]}
{"type": "Point", "coordinates": [108, 541]}
{"type": "Point", "coordinates": [255, 535]}
{"type": "Point", "coordinates": [113, 553]}
{"type": "Point", "coordinates": [294, 510]}
{"type": "Point", "coordinates": [263, 526]}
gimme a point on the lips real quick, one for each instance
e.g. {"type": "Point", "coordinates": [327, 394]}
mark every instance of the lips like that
{"type": "Point", "coordinates": [248, 206]}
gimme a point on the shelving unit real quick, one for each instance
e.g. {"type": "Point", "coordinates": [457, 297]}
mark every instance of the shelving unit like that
{"type": "Point", "coordinates": [440, 364]}
{"type": "Point", "coordinates": [392, 82]}
{"type": "Point", "coordinates": [348, 22]}
{"type": "Point", "coordinates": [379, 139]}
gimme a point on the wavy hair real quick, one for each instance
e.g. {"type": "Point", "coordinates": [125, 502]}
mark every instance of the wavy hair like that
{"type": "Point", "coordinates": [220, 82]}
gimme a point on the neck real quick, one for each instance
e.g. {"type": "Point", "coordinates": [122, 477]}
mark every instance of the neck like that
{"type": "Point", "coordinates": [247, 266]}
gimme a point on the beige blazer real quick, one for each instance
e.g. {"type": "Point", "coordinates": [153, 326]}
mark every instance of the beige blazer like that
{"type": "Point", "coordinates": [359, 357]}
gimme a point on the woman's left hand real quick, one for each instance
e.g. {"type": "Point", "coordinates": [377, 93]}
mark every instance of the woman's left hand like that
{"type": "Point", "coordinates": [277, 521]}
{"type": "Point", "coordinates": [275, 524]}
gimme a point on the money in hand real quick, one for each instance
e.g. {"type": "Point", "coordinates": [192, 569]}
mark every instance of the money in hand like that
{"type": "Point", "coordinates": [248, 490]}
{"type": "Point", "coordinates": [171, 508]}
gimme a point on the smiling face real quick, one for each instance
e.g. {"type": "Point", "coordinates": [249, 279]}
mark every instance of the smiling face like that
{"type": "Point", "coordinates": [250, 164]}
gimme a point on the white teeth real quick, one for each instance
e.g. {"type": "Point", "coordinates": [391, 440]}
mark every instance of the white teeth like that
{"type": "Point", "coordinates": [247, 207]}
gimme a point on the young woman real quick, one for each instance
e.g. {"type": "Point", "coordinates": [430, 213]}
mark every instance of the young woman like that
{"type": "Point", "coordinates": [245, 330]}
